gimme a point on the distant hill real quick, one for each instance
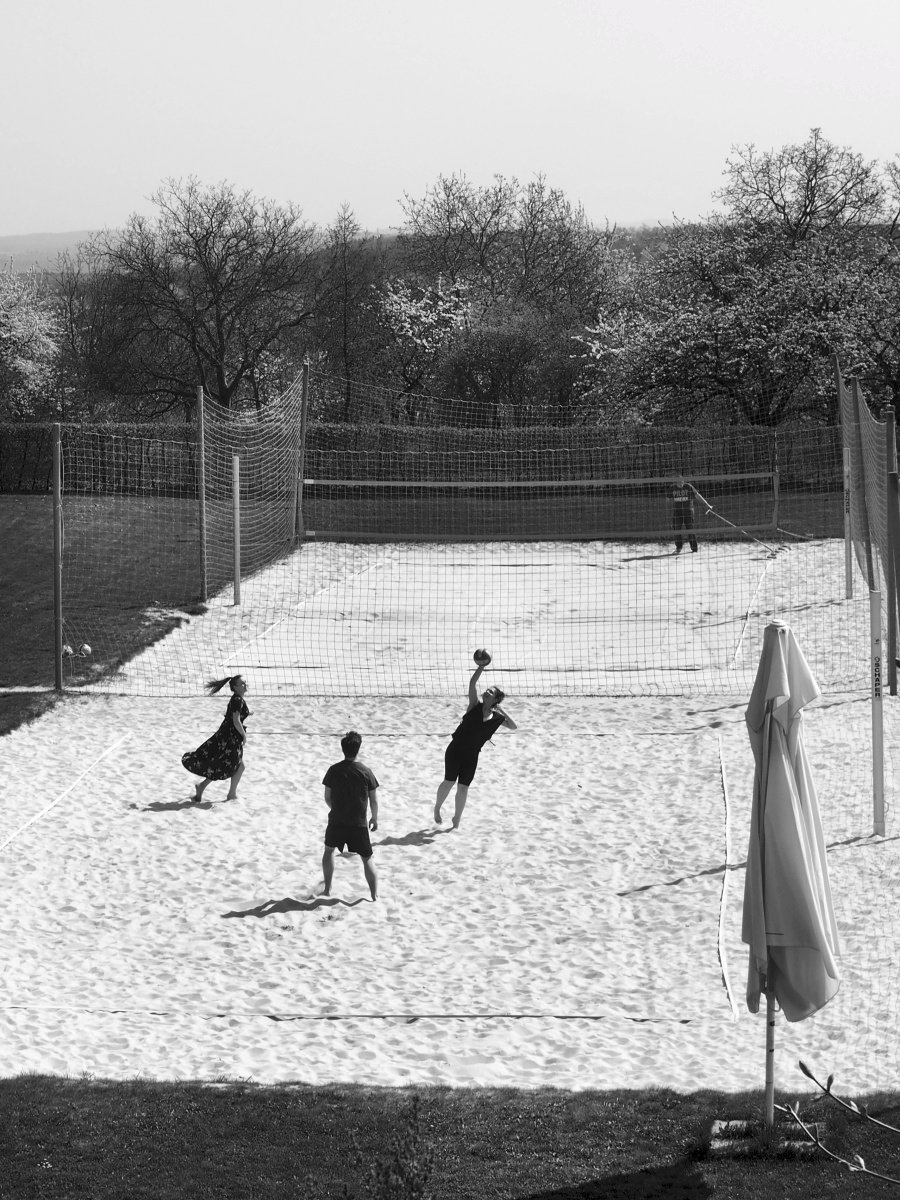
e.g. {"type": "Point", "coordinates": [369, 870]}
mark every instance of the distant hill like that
{"type": "Point", "coordinates": [27, 250]}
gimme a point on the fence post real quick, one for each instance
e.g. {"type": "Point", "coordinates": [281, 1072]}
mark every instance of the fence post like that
{"type": "Point", "coordinates": [301, 456]}
{"type": "Point", "coordinates": [236, 522]}
{"type": "Point", "coordinates": [201, 490]}
{"type": "Point", "coordinates": [57, 556]}
{"type": "Point", "coordinates": [877, 715]}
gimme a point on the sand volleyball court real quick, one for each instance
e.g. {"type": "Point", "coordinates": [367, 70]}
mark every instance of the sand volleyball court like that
{"type": "Point", "coordinates": [582, 928]}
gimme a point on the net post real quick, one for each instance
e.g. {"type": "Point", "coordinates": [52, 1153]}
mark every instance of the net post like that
{"type": "Point", "coordinates": [890, 567]}
{"type": "Point", "coordinates": [299, 529]}
{"type": "Point", "coordinates": [201, 490]}
{"type": "Point", "coordinates": [877, 715]}
{"type": "Point", "coordinates": [236, 522]}
{"type": "Point", "coordinates": [57, 558]}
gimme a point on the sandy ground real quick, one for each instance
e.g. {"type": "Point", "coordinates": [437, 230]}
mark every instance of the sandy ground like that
{"type": "Point", "coordinates": [581, 929]}
{"type": "Point", "coordinates": [561, 619]}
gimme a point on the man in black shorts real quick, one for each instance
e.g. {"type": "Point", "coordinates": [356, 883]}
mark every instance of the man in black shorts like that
{"type": "Point", "coordinates": [683, 513]}
{"type": "Point", "coordinates": [350, 787]}
{"type": "Point", "coordinates": [481, 720]}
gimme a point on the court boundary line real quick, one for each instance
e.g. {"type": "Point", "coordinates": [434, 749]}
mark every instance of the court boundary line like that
{"type": "Point", "coordinates": [84, 774]}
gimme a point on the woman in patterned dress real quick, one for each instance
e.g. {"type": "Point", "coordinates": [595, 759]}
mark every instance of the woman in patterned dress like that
{"type": "Point", "coordinates": [222, 755]}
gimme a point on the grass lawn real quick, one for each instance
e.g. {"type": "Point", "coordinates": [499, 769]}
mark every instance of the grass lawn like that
{"type": "Point", "coordinates": [26, 595]}
{"type": "Point", "coordinates": [67, 1138]}
{"type": "Point", "coordinates": [70, 1138]}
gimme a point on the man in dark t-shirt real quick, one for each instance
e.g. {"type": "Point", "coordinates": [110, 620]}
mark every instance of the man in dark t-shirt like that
{"type": "Point", "coordinates": [350, 788]}
{"type": "Point", "coordinates": [683, 513]}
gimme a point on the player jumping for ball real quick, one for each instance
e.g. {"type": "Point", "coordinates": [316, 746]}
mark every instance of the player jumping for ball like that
{"type": "Point", "coordinates": [482, 718]}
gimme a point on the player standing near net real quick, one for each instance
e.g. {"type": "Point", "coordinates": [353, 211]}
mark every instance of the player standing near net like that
{"type": "Point", "coordinates": [222, 755]}
{"type": "Point", "coordinates": [683, 513]}
{"type": "Point", "coordinates": [481, 720]}
{"type": "Point", "coordinates": [350, 787]}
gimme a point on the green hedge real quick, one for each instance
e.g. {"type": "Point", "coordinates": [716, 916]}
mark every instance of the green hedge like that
{"type": "Point", "coordinates": [161, 460]}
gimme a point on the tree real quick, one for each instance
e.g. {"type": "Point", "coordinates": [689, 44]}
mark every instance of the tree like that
{"type": "Point", "coordinates": [807, 190]}
{"type": "Point", "coordinates": [29, 348]}
{"type": "Point", "coordinates": [205, 292]}
{"type": "Point", "coordinates": [99, 358]}
{"type": "Point", "coordinates": [508, 241]}
{"type": "Point", "coordinates": [418, 325]}
{"type": "Point", "coordinates": [532, 270]}
{"type": "Point", "coordinates": [750, 305]}
{"type": "Point", "coordinates": [346, 330]}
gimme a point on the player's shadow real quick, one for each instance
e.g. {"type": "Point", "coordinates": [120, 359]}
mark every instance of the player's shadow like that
{"type": "Point", "coordinates": [173, 805]}
{"type": "Point", "coordinates": [270, 908]}
{"type": "Point", "coordinates": [416, 837]}
{"type": "Point", "coordinates": [647, 557]}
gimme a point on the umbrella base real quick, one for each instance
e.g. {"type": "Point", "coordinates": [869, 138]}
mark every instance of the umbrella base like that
{"type": "Point", "coordinates": [733, 1139]}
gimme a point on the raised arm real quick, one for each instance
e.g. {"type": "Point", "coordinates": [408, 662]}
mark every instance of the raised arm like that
{"type": "Point", "coordinates": [508, 722]}
{"type": "Point", "coordinates": [473, 686]}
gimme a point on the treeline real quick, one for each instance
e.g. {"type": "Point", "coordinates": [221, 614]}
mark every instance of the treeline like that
{"type": "Point", "coordinates": [504, 300]}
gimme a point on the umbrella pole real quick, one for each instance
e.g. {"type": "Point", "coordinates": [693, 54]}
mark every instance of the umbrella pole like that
{"type": "Point", "coordinates": [770, 1052]}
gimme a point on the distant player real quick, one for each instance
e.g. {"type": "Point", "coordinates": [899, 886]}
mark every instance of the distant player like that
{"type": "Point", "coordinates": [682, 495]}
{"type": "Point", "coordinates": [350, 788]}
{"type": "Point", "coordinates": [222, 755]}
{"type": "Point", "coordinates": [479, 724]}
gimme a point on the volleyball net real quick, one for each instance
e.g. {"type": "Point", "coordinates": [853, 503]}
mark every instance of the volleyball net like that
{"type": "Point", "coordinates": [347, 541]}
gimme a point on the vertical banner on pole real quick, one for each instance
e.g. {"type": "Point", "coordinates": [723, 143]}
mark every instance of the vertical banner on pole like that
{"type": "Point", "coordinates": [877, 715]}
{"type": "Point", "coordinates": [201, 490]}
{"type": "Point", "coordinates": [864, 533]}
{"type": "Point", "coordinates": [236, 520]}
{"type": "Point", "coordinates": [301, 456]}
{"type": "Point", "coordinates": [57, 557]}
{"type": "Point", "coordinates": [848, 532]}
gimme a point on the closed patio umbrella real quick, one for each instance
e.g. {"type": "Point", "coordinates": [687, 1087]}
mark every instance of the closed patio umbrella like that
{"type": "Point", "coordinates": [788, 919]}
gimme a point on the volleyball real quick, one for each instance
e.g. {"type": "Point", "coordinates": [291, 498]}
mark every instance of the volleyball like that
{"type": "Point", "coordinates": [482, 657]}
{"type": "Point", "coordinates": [84, 649]}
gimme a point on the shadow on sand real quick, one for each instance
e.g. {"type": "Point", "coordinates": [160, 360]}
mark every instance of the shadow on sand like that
{"type": "Point", "coordinates": [270, 907]}
{"type": "Point", "coordinates": [416, 837]}
{"type": "Point", "coordinates": [174, 805]}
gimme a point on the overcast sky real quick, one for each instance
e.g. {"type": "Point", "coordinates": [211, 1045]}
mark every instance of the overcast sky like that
{"type": "Point", "coordinates": [630, 107]}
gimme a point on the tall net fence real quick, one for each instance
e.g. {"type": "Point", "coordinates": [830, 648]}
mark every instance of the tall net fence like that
{"type": "Point", "coordinates": [372, 555]}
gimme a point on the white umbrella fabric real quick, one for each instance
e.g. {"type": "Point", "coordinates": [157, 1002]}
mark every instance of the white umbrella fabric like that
{"type": "Point", "coordinates": [788, 919]}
